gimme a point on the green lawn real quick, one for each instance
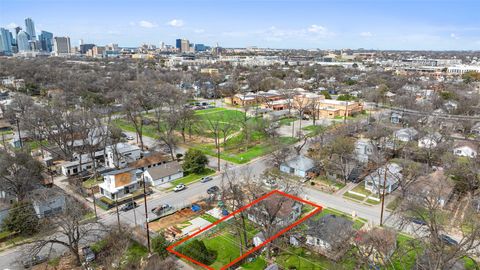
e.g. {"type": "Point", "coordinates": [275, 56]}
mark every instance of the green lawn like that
{"type": "Point", "coordinates": [6, 132]}
{"type": "Point", "coordinates": [193, 177]}
{"type": "Point", "coordinates": [209, 218]}
{"type": "Point", "coordinates": [92, 182]}
{"type": "Point", "coordinates": [148, 130]}
{"type": "Point", "coordinates": [226, 246]}
{"type": "Point", "coordinates": [353, 196]}
{"type": "Point", "coordinates": [303, 259]}
{"type": "Point", "coordinates": [287, 121]}
{"type": "Point", "coordinates": [328, 182]}
{"type": "Point", "coordinates": [360, 188]}
{"type": "Point", "coordinates": [237, 154]}
{"type": "Point", "coordinates": [135, 252]}
{"type": "Point", "coordinates": [207, 111]}
{"type": "Point", "coordinates": [257, 263]}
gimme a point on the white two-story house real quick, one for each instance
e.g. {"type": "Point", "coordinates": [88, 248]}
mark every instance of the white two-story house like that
{"type": "Point", "coordinates": [120, 183]}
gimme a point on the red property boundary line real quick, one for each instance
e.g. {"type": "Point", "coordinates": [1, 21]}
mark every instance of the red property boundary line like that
{"type": "Point", "coordinates": [318, 209]}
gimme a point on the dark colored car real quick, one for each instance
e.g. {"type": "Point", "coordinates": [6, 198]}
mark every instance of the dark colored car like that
{"type": "Point", "coordinates": [213, 190]}
{"type": "Point", "coordinates": [448, 240]}
{"type": "Point", "coordinates": [35, 260]}
{"type": "Point", "coordinates": [88, 254]}
{"type": "Point", "coordinates": [128, 206]}
{"type": "Point", "coordinates": [419, 221]}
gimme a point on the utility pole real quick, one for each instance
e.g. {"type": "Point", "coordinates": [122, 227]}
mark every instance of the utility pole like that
{"type": "Point", "coordinates": [19, 135]}
{"type": "Point", "coordinates": [118, 215]}
{"type": "Point", "coordinates": [94, 204]}
{"type": "Point", "coordinates": [383, 193]}
{"type": "Point", "coordinates": [345, 114]}
{"type": "Point", "coordinates": [146, 212]}
{"type": "Point", "coordinates": [134, 214]}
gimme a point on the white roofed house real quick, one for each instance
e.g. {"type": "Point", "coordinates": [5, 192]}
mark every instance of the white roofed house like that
{"type": "Point", "coordinates": [119, 155]}
{"type": "Point", "coordinates": [163, 173]}
{"type": "Point", "coordinates": [405, 134]}
{"type": "Point", "coordinates": [120, 183]}
{"type": "Point", "coordinates": [385, 177]}
{"type": "Point", "coordinates": [465, 149]}
{"type": "Point", "coordinates": [299, 166]}
{"type": "Point", "coordinates": [47, 201]}
{"type": "Point", "coordinates": [430, 140]}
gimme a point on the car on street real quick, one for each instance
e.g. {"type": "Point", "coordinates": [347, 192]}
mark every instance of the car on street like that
{"type": "Point", "coordinates": [35, 260]}
{"type": "Point", "coordinates": [161, 209]}
{"type": "Point", "coordinates": [128, 206]}
{"type": "Point", "coordinates": [88, 254]}
{"type": "Point", "coordinates": [213, 190]}
{"type": "Point", "coordinates": [179, 187]}
{"type": "Point", "coordinates": [130, 138]}
{"type": "Point", "coordinates": [448, 240]}
{"type": "Point", "coordinates": [419, 221]}
{"type": "Point", "coordinates": [206, 179]}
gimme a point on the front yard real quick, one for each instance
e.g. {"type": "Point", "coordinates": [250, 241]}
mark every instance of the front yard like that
{"type": "Point", "coordinates": [192, 178]}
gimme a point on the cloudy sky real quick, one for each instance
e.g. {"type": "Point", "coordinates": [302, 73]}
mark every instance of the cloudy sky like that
{"type": "Point", "coordinates": [371, 24]}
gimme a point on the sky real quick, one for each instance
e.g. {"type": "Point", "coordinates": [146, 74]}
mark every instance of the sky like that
{"type": "Point", "coordinates": [297, 24]}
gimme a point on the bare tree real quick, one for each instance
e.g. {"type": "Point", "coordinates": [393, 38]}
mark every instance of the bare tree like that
{"type": "Point", "coordinates": [71, 231]}
{"type": "Point", "coordinates": [19, 173]}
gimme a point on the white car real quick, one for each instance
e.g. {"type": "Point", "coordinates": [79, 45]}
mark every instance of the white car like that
{"type": "Point", "coordinates": [130, 138]}
{"type": "Point", "coordinates": [179, 187]}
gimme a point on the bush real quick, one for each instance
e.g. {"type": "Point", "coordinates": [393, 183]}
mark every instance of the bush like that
{"type": "Point", "coordinates": [197, 250]}
{"type": "Point", "coordinates": [159, 246]}
{"type": "Point", "coordinates": [22, 219]}
{"type": "Point", "coordinates": [195, 161]}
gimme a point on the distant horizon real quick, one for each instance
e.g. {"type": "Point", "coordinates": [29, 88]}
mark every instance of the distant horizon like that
{"type": "Point", "coordinates": [422, 25]}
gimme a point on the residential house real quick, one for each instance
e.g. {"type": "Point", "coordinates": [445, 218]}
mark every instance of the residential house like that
{"type": "Point", "coordinates": [47, 201]}
{"type": "Point", "coordinates": [465, 149]}
{"type": "Point", "coordinates": [119, 155]}
{"type": "Point", "coordinates": [405, 134]}
{"type": "Point", "coordinates": [149, 161]}
{"type": "Point", "coordinates": [163, 173]}
{"type": "Point", "coordinates": [329, 235]}
{"type": "Point", "coordinates": [81, 163]}
{"type": "Point", "coordinates": [363, 149]}
{"type": "Point", "coordinates": [475, 129]}
{"type": "Point", "coordinates": [385, 177]}
{"type": "Point", "coordinates": [435, 187]}
{"type": "Point", "coordinates": [281, 209]}
{"type": "Point", "coordinates": [298, 166]}
{"type": "Point", "coordinates": [120, 183]}
{"type": "Point", "coordinates": [430, 140]}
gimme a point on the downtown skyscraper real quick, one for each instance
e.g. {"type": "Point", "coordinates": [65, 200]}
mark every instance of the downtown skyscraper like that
{"type": "Point", "coordinates": [30, 28]}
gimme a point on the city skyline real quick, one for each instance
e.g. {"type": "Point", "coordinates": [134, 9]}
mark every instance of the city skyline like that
{"type": "Point", "coordinates": [276, 24]}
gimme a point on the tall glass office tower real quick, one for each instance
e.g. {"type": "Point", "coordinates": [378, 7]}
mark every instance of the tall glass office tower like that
{"type": "Point", "coordinates": [30, 28]}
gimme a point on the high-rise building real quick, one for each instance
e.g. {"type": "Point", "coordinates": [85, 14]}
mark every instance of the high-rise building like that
{"type": "Point", "coordinates": [178, 44]}
{"type": "Point", "coordinates": [185, 46]}
{"type": "Point", "coordinates": [85, 47]}
{"type": "Point", "coordinates": [23, 42]}
{"type": "Point", "coordinates": [61, 45]}
{"type": "Point", "coordinates": [30, 28]}
{"type": "Point", "coordinates": [5, 41]}
{"type": "Point", "coordinates": [200, 48]}
{"type": "Point", "coordinates": [46, 41]}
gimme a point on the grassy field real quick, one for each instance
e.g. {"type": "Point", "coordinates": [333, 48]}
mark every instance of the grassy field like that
{"type": "Point", "coordinates": [287, 121]}
{"type": "Point", "coordinates": [148, 130]}
{"type": "Point", "coordinates": [192, 178]}
{"type": "Point", "coordinates": [235, 152]}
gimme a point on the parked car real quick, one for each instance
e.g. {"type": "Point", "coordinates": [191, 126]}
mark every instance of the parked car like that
{"type": "Point", "coordinates": [35, 260]}
{"type": "Point", "coordinates": [162, 208]}
{"type": "Point", "coordinates": [448, 240]}
{"type": "Point", "coordinates": [179, 187]}
{"type": "Point", "coordinates": [88, 254]}
{"type": "Point", "coordinates": [128, 206]}
{"type": "Point", "coordinates": [213, 190]}
{"type": "Point", "coordinates": [206, 179]}
{"type": "Point", "coordinates": [419, 221]}
{"type": "Point", "coordinates": [130, 138]}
